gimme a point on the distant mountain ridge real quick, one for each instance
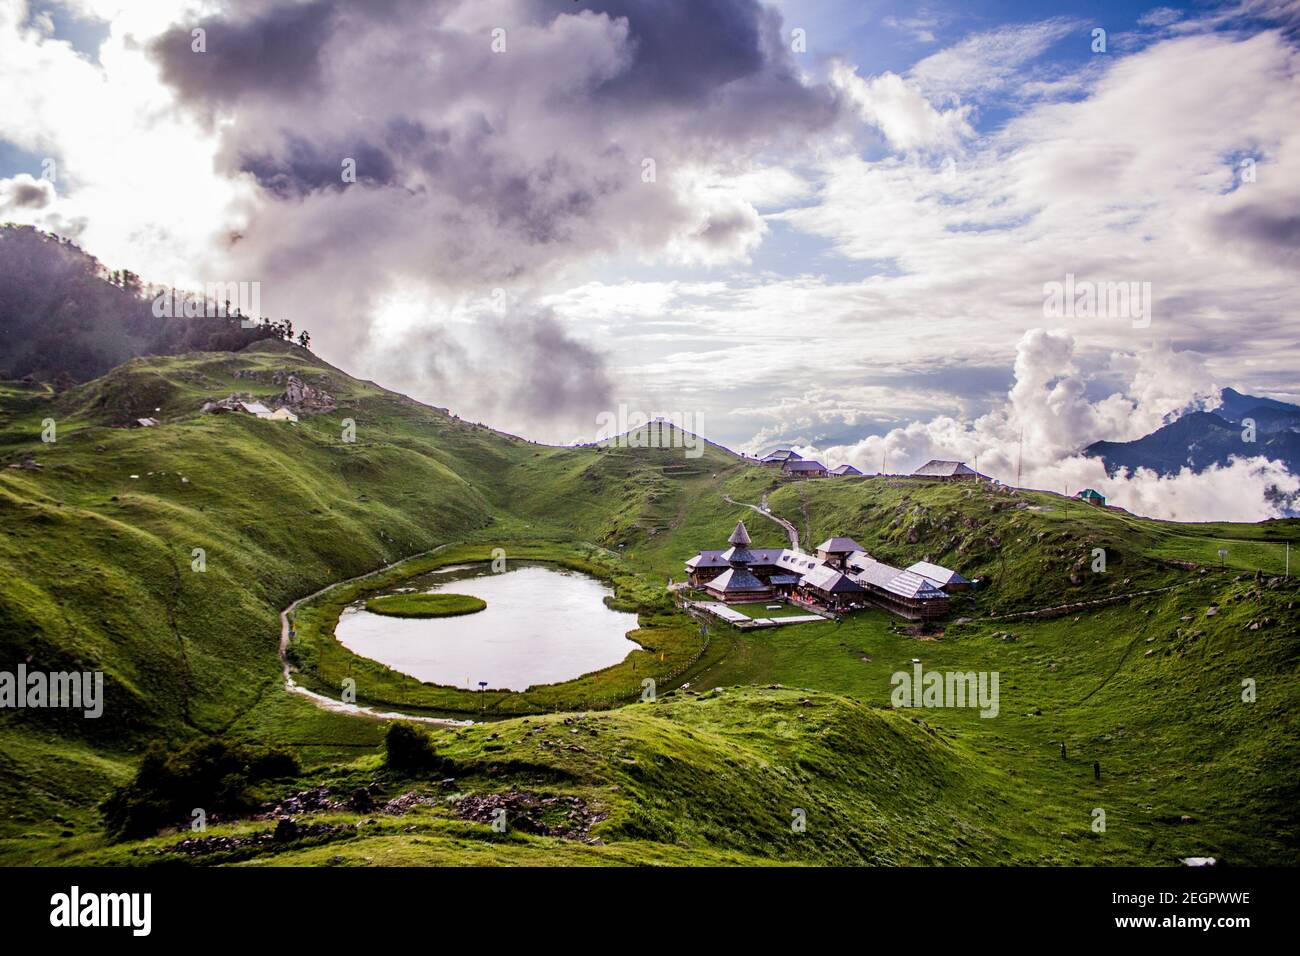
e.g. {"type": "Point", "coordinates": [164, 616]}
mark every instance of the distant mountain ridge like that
{"type": "Point", "coordinates": [1200, 439]}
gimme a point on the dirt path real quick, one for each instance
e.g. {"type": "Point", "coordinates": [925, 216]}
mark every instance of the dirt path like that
{"type": "Point", "coordinates": [329, 703]}
{"type": "Point", "coordinates": [1059, 610]}
{"type": "Point", "coordinates": [790, 529]}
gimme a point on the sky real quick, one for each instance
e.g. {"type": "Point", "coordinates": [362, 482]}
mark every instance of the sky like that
{"type": "Point", "coordinates": [827, 225]}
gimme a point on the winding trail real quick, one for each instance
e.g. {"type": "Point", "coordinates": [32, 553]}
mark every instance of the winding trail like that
{"type": "Point", "coordinates": [1060, 610]}
{"type": "Point", "coordinates": [790, 529]}
{"type": "Point", "coordinates": [329, 703]}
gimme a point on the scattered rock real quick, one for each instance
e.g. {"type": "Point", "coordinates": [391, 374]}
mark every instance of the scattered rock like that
{"type": "Point", "coordinates": [567, 817]}
{"type": "Point", "coordinates": [286, 828]}
{"type": "Point", "coordinates": [304, 801]}
{"type": "Point", "coordinates": [28, 463]}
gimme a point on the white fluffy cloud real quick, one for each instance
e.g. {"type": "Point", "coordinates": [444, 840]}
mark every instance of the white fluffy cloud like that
{"type": "Point", "coordinates": [901, 112]}
{"type": "Point", "coordinates": [813, 263]}
{"type": "Point", "coordinates": [1038, 434]}
{"type": "Point", "coordinates": [134, 175]}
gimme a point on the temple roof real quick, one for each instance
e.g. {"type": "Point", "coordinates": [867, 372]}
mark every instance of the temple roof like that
{"type": "Point", "coordinates": [740, 537]}
{"type": "Point", "coordinates": [840, 546]}
{"type": "Point", "coordinates": [736, 580]}
{"type": "Point", "coordinates": [827, 579]}
{"type": "Point", "coordinates": [738, 555]}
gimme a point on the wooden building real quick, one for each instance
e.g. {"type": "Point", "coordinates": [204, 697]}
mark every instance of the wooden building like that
{"type": "Point", "coordinates": [905, 593]}
{"type": "Point", "coordinates": [804, 468]}
{"type": "Point", "coordinates": [941, 577]}
{"type": "Point", "coordinates": [831, 589]}
{"type": "Point", "coordinates": [779, 457]}
{"type": "Point", "coordinates": [837, 551]}
{"type": "Point", "coordinates": [942, 470]}
{"type": "Point", "coordinates": [737, 584]}
{"type": "Point", "coordinates": [841, 576]}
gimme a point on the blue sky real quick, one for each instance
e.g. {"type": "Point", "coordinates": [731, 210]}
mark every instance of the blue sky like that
{"type": "Point", "coordinates": [845, 248]}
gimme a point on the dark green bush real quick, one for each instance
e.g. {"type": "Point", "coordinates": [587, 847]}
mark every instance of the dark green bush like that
{"type": "Point", "coordinates": [215, 775]}
{"type": "Point", "coordinates": [409, 750]}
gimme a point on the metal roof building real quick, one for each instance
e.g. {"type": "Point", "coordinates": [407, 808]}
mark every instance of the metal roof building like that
{"type": "Point", "coordinates": [804, 467]}
{"type": "Point", "coordinates": [939, 468]}
{"type": "Point", "coordinates": [840, 545]}
{"type": "Point", "coordinates": [938, 575]}
{"type": "Point", "coordinates": [903, 592]}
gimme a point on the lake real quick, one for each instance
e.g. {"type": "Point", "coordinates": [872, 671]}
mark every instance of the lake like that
{"type": "Point", "coordinates": [543, 625]}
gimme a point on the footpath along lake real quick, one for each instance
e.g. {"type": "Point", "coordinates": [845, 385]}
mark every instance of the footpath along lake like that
{"type": "Point", "coordinates": [542, 625]}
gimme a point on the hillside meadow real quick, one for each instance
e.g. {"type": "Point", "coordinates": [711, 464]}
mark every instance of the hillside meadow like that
{"type": "Point", "coordinates": [769, 746]}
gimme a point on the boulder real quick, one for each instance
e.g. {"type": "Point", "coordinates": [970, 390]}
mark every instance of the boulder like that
{"type": "Point", "coordinates": [305, 399]}
{"type": "Point", "coordinates": [286, 828]}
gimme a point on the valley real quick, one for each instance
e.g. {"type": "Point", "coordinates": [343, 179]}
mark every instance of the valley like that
{"type": "Point", "coordinates": [1134, 707]}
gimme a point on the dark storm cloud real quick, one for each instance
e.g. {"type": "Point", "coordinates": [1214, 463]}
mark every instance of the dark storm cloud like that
{"type": "Point", "coordinates": [28, 196]}
{"type": "Point", "coordinates": [726, 58]}
{"type": "Point", "coordinates": [476, 168]}
{"type": "Point", "coordinates": [554, 375]}
{"type": "Point", "coordinates": [683, 52]}
{"type": "Point", "coordinates": [1265, 226]}
{"type": "Point", "coordinates": [24, 192]}
{"type": "Point", "coordinates": [523, 369]}
{"type": "Point", "coordinates": [275, 52]}
{"type": "Point", "coordinates": [304, 167]}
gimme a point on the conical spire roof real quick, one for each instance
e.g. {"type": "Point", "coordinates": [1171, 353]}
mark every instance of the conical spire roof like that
{"type": "Point", "coordinates": [740, 537]}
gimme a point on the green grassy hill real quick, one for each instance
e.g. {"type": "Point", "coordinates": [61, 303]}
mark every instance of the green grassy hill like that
{"type": "Point", "coordinates": [97, 555]}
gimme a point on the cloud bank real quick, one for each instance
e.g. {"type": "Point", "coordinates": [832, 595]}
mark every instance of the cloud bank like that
{"type": "Point", "coordinates": [534, 210]}
{"type": "Point", "coordinates": [1035, 438]}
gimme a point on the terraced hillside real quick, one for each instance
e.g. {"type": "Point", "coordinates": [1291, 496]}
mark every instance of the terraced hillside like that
{"type": "Point", "coordinates": [99, 572]}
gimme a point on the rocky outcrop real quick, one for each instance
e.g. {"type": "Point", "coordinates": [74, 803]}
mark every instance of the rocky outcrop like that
{"type": "Point", "coordinates": [301, 398]}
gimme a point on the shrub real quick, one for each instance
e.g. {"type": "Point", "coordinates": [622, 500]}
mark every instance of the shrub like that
{"type": "Point", "coordinates": [409, 750]}
{"type": "Point", "coordinates": [214, 774]}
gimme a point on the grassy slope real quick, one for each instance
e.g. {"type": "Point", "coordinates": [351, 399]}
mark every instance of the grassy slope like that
{"type": "Point", "coordinates": [97, 564]}
{"type": "Point", "coordinates": [97, 571]}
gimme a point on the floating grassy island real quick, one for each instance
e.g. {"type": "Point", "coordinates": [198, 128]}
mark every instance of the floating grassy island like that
{"type": "Point", "coordinates": [425, 605]}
